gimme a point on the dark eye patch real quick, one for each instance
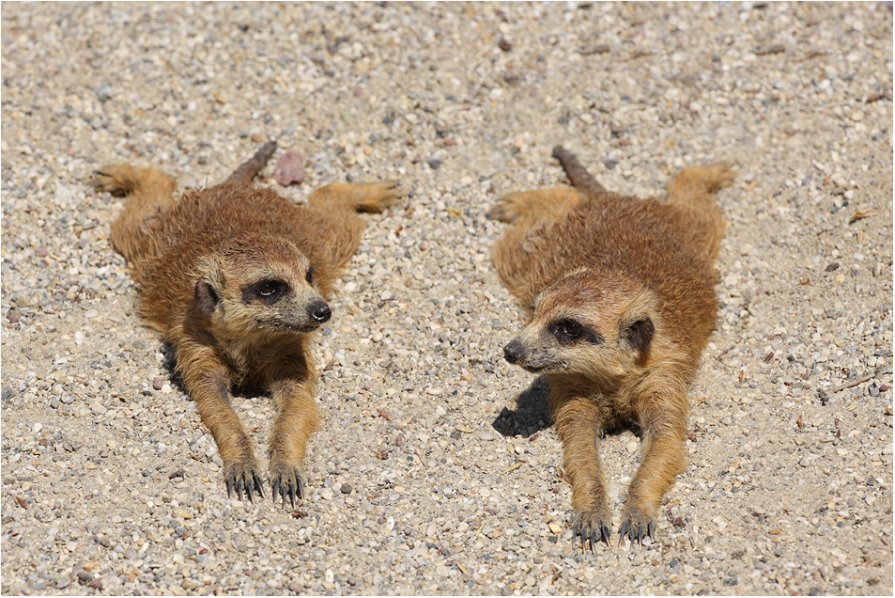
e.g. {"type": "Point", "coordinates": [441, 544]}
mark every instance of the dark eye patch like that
{"type": "Point", "coordinates": [267, 291]}
{"type": "Point", "coordinates": [310, 275]}
{"type": "Point", "coordinates": [569, 332]}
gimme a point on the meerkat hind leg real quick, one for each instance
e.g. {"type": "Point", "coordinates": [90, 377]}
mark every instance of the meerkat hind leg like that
{"type": "Point", "coordinates": [528, 207]}
{"type": "Point", "coordinates": [334, 225]}
{"type": "Point", "coordinates": [693, 186]}
{"type": "Point", "coordinates": [358, 197]}
{"type": "Point", "coordinates": [149, 192]}
{"type": "Point", "coordinates": [693, 191]}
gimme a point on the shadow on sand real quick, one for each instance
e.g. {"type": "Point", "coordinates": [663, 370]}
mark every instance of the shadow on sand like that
{"type": "Point", "coordinates": [531, 415]}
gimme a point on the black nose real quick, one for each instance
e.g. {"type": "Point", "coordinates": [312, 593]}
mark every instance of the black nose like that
{"type": "Point", "coordinates": [320, 311]}
{"type": "Point", "coordinates": [514, 351]}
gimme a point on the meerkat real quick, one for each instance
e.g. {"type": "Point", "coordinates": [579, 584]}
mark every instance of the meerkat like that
{"type": "Point", "coordinates": [618, 293]}
{"type": "Point", "coordinates": [236, 279]}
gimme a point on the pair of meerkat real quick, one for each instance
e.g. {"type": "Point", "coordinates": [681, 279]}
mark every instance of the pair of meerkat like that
{"type": "Point", "coordinates": [618, 293]}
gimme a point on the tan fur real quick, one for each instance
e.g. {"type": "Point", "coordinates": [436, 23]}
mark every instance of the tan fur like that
{"type": "Point", "coordinates": [194, 260]}
{"type": "Point", "coordinates": [619, 296]}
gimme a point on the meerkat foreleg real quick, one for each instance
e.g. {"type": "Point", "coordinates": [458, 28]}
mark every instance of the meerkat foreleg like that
{"type": "Point", "coordinates": [208, 383]}
{"type": "Point", "coordinates": [578, 425]}
{"type": "Point", "coordinates": [298, 417]}
{"type": "Point", "coordinates": [664, 424]}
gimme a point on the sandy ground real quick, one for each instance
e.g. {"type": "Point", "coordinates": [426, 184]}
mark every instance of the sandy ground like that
{"type": "Point", "coordinates": [435, 471]}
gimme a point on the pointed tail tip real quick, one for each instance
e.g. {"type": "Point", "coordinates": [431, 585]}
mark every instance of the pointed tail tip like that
{"type": "Point", "coordinates": [268, 149]}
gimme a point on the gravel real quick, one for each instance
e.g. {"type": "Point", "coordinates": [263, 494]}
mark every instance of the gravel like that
{"type": "Point", "coordinates": [435, 470]}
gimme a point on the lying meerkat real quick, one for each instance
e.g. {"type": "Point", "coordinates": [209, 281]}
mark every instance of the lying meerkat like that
{"type": "Point", "coordinates": [619, 296]}
{"type": "Point", "coordinates": [236, 278]}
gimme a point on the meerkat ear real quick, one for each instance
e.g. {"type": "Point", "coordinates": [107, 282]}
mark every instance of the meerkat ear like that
{"type": "Point", "coordinates": [205, 297]}
{"type": "Point", "coordinates": [639, 335]}
{"type": "Point", "coordinates": [209, 287]}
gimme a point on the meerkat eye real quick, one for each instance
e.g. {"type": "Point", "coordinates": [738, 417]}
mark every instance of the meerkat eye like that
{"type": "Point", "coordinates": [310, 275]}
{"type": "Point", "coordinates": [270, 290]}
{"type": "Point", "coordinates": [569, 331]}
{"type": "Point", "coordinates": [566, 331]}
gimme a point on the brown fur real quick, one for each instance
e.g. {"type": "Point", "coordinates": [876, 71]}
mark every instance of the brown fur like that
{"type": "Point", "coordinates": [619, 296]}
{"type": "Point", "coordinates": [196, 261]}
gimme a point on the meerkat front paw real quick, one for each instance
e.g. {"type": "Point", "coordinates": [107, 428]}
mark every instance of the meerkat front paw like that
{"type": "Point", "coordinates": [592, 527]}
{"type": "Point", "coordinates": [287, 481]}
{"type": "Point", "coordinates": [637, 524]}
{"type": "Point", "coordinates": [242, 476]}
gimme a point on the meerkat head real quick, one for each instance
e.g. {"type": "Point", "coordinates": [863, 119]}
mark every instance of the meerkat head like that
{"type": "Point", "coordinates": [593, 323]}
{"type": "Point", "coordinates": [254, 285]}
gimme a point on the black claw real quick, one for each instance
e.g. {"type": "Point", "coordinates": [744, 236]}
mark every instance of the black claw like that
{"type": "Point", "coordinates": [651, 529]}
{"type": "Point", "coordinates": [593, 539]}
{"type": "Point", "coordinates": [624, 530]}
{"type": "Point", "coordinates": [292, 495]}
{"type": "Point", "coordinates": [259, 485]}
{"type": "Point", "coordinates": [239, 487]}
{"type": "Point", "coordinates": [301, 486]}
{"type": "Point", "coordinates": [604, 533]}
{"type": "Point", "coordinates": [229, 485]}
{"type": "Point", "coordinates": [275, 488]}
{"type": "Point", "coordinates": [248, 486]}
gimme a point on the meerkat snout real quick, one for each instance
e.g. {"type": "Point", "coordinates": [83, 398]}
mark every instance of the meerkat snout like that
{"type": "Point", "coordinates": [319, 311]}
{"type": "Point", "coordinates": [514, 351]}
{"type": "Point", "coordinates": [303, 312]}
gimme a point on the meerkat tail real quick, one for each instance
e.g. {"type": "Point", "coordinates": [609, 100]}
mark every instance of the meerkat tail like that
{"type": "Point", "coordinates": [580, 178]}
{"type": "Point", "coordinates": [251, 167]}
